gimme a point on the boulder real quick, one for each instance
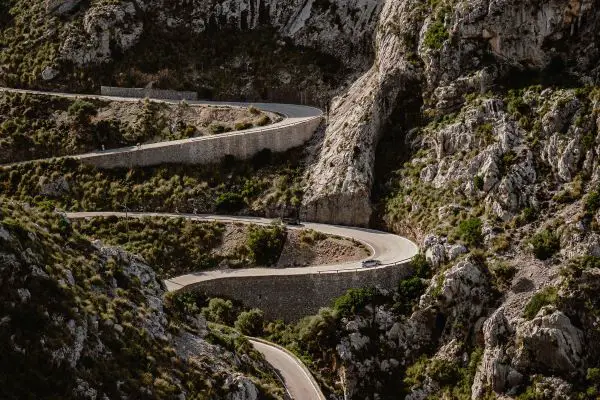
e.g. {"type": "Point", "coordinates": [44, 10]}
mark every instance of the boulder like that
{"type": "Point", "coordinates": [61, 7]}
{"type": "Point", "coordinates": [549, 342]}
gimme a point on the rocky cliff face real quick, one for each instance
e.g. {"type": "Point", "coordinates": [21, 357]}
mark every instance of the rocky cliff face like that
{"type": "Point", "coordinates": [447, 52]}
{"type": "Point", "coordinates": [340, 28]}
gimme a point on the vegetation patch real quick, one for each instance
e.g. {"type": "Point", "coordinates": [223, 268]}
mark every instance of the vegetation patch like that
{"type": "Point", "coordinates": [544, 297]}
{"type": "Point", "coordinates": [469, 231]}
{"type": "Point", "coordinates": [264, 244]}
{"type": "Point", "coordinates": [436, 35]}
{"type": "Point", "coordinates": [40, 126]}
{"type": "Point", "coordinates": [172, 246]}
{"type": "Point", "coordinates": [544, 244]}
{"type": "Point", "coordinates": [74, 186]}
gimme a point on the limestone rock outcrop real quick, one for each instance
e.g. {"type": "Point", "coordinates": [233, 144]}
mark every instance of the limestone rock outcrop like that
{"type": "Point", "coordinates": [549, 342]}
{"type": "Point", "coordinates": [517, 33]}
{"type": "Point", "coordinates": [339, 183]}
{"type": "Point", "coordinates": [340, 28]}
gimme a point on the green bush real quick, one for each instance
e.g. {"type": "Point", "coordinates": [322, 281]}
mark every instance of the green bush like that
{"type": "Point", "coordinates": [469, 231]}
{"type": "Point", "coordinates": [230, 202]}
{"type": "Point", "coordinates": [263, 120]}
{"type": "Point", "coordinates": [592, 202]}
{"type": "Point", "coordinates": [544, 297]}
{"type": "Point", "coordinates": [219, 311]}
{"type": "Point", "coordinates": [503, 273]}
{"type": "Point", "coordinates": [264, 244]}
{"type": "Point", "coordinates": [478, 182]}
{"type": "Point", "coordinates": [318, 334]}
{"type": "Point", "coordinates": [353, 301]}
{"type": "Point", "coordinates": [240, 126]}
{"type": "Point", "coordinates": [420, 266]}
{"type": "Point", "coordinates": [82, 111]}
{"type": "Point", "coordinates": [310, 236]}
{"type": "Point", "coordinates": [253, 110]}
{"type": "Point", "coordinates": [409, 290]}
{"type": "Point", "coordinates": [250, 322]}
{"type": "Point", "coordinates": [216, 128]}
{"type": "Point", "coordinates": [436, 35]}
{"type": "Point", "coordinates": [545, 244]}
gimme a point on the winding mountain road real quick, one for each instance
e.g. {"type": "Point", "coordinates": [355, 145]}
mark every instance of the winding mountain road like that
{"type": "Point", "coordinates": [388, 248]}
{"type": "Point", "coordinates": [295, 117]}
{"type": "Point", "coordinates": [297, 379]}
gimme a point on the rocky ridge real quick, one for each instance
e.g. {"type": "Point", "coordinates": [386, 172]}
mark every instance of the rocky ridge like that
{"type": "Point", "coordinates": [437, 55]}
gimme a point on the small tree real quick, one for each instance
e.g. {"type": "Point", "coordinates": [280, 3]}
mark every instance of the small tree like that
{"type": "Point", "coordinates": [545, 244]}
{"type": "Point", "coordinates": [353, 301]}
{"type": "Point", "coordinates": [219, 311]}
{"type": "Point", "coordinates": [82, 111]}
{"type": "Point", "coordinates": [265, 244]}
{"type": "Point", "coordinates": [230, 202]}
{"type": "Point", "coordinates": [250, 322]}
{"type": "Point", "coordinates": [470, 231]}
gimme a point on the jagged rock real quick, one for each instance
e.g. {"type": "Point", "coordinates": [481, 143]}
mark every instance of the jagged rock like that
{"type": "Point", "coordinates": [436, 255]}
{"type": "Point", "coordinates": [55, 188]}
{"type": "Point", "coordinates": [241, 388]}
{"type": "Point", "coordinates": [49, 73]}
{"type": "Point", "coordinates": [461, 282]}
{"type": "Point", "coordinates": [104, 28]}
{"type": "Point", "coordinates": [61, 7]}
{"type": "Point", "coordinates": [339, 183]}
{"type": "Point", "coordinates": [455, 251]}
{"type": "Point", "coordinates": [494, 371]}
{"type": "Point", "coordinates": [549, 342]}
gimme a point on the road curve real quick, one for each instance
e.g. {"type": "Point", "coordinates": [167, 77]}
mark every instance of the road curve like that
{"type": "Point", "coordinates": [297, 379]}
{"type": "Point", "coordinates": [293, 114]}
{"type": "Point", "coordinates": [388, 248]}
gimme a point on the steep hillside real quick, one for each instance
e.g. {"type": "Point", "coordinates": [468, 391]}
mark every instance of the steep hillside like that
{"type": "Point", "coordinates": [224, 49]}
{"type": "Point", "coordinates": [430, 56]}
{"type": "Point", "coordinates": [80, 320]}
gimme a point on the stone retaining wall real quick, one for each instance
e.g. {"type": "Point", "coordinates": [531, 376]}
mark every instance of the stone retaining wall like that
{"type": "Point", "coordinates": [291, 297]}
{"type": "Point", "coordinates": [208, 149]}
{"type": "Point", "coordinates": [150, 93]}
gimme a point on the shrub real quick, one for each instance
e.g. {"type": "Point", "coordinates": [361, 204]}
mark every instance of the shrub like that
{"type": "Point", "coordinates": [265, 244]}
{"type": "Point", "coordinates": [420, 266]}
{"type": "Point", "coordinates": [310, 236]}
{"type": "Point", "coordinates": [485, 131]}
{"type": "Point", "coordinates": [592, 202]}
{"type": "Point", "coordinates": [217, 128]}
{"type": "Point", "coordinates": [436, 35]}
{"type": "Point", "coordinates": [579, 264]}
{"type": "Point", "coordinates": [250, 322]}
{"type": "Point", "coordinates": [240, 126]}
{"type": "Point", "coordinates": [318, 333]}
{"type": "Point", "coordinates": [544, 297]}
{"type": "Point", "coordinates": [353, 301]}
{"type": "Point", "coordinates": [82, 111]}
{"type": "Point", "coordinates": [469, 231]}
{"type": "Point", "coordinates": [545, 244]}
{"type": "Point", "coordinates": [253, 110]}
{"type": "Point", "coordinates": [478, 182]}
{"type": "Point", "coordinates": [263, 120]}
{"type": "Point", "coordinates": [409, 290]}
{"type": "Point", "coordinates": [230, 202]}
{"type": "Point", "coordinates": [219, 311]}
{"type": "Point", "coordinates": [503, 273]}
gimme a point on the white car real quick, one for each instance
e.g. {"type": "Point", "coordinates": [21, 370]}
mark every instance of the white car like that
{"type": "Point", "coordinates": [370, 263]}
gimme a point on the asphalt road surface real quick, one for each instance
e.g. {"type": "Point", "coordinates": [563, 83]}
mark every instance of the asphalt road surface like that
{"type": "Point", "coordinates": [297, 378]}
